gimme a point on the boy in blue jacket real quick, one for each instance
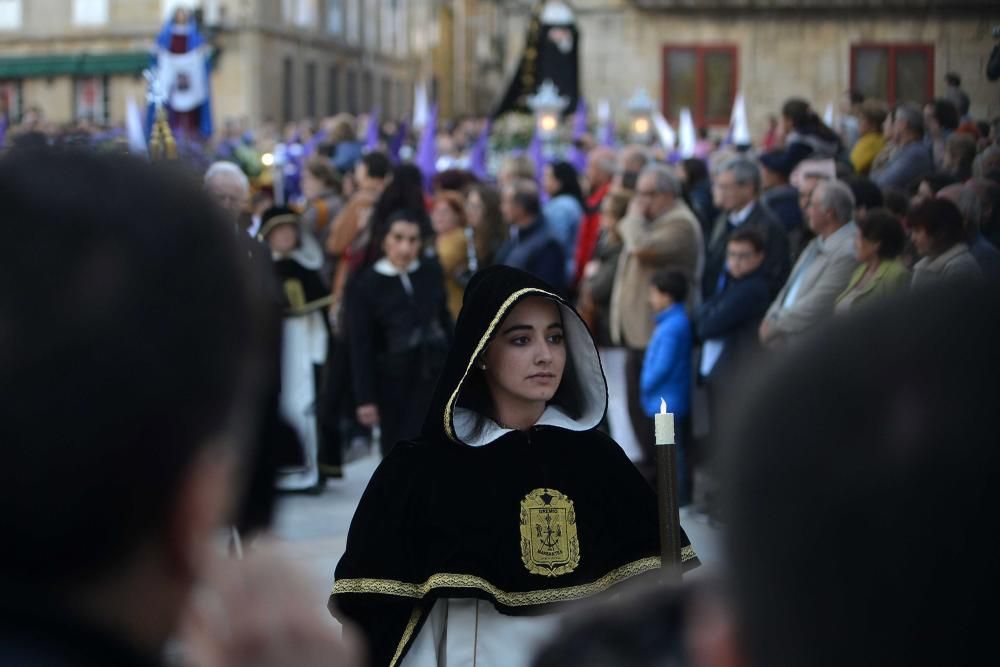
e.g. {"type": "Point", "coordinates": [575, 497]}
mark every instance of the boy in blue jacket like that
{"type": "Point", "coordinates": [666, 372]}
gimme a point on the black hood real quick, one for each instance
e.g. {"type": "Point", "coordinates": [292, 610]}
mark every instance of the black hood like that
{"type": "Point", "coordinates": [489, 296]}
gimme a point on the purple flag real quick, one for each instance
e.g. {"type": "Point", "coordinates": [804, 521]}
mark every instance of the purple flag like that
{"type": "Point", "coordinates": [396, 144]}
{"type": "Point", "coordinates": [578, 156]}
{"type": "Point", "coordinates": [3, 129]}
{"type": "Point", "coordinates": [371, 132]}
{"type": "Point", "coordinates": [536, 153]}
{"type": "Point", "coordinates": [608, 134]}
{"type": "Point", "coordinates": [477, 158]}
{"type": "Point", "coordinates": [427, 150]}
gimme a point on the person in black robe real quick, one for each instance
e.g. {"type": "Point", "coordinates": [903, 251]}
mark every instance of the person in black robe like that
{"type": "Point", "coordinates": [510, 503]}
{"type": "Point", "coordinates": [297, 262]}
{"type": "Point", "coordinates": [398, 328]}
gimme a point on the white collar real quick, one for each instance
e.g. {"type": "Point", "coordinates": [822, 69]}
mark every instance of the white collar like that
{"type": "Point", "coordinates": [466, 419]}
{"type": "Point", "coordinates": [387, 268]}
{"type": "Point", "coordinates": [741, 216]}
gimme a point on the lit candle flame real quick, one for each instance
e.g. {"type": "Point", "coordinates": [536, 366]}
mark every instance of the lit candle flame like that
{"type": "Point", "coordinates": [663, 406]}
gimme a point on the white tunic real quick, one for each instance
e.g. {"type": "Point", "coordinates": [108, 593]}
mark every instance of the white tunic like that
{"type": "Point", "coordinates": [474, 633]}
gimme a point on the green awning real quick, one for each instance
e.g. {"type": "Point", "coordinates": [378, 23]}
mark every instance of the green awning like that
{"type": "Point", "coordinates": [73, 64]}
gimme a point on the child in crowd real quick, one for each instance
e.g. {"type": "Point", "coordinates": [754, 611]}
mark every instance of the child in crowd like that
{"type": "Point", "coordinates": [297, 262]}
{"type": "Point", "coordinates": [666, 371]}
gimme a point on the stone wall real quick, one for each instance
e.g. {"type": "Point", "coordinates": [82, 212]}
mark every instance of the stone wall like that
{"type": "Point", "coordinates": [780, 55]}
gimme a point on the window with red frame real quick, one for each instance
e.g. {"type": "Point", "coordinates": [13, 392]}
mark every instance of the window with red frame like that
{"type": "Point", "coordinates": [702, 78]}
{"type": "Point", "coordinates": [895, 73]}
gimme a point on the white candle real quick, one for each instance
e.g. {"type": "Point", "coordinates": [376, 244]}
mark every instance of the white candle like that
{"type": "Point", "coordinates": [664, 423]}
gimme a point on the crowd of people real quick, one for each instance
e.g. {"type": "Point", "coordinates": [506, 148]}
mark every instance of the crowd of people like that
{"type": "Point", "coordinates": [749, 290]}
{"type": "Point", "coordinates": [771, 245]}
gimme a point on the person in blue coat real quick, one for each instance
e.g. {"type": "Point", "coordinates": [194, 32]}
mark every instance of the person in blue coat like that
{"type": "Point", "coordinates": [666, 373]}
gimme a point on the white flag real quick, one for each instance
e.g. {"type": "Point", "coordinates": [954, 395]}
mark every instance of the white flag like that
{"type": "Point", "coordinates": [603, 111]}
{"type": "Point", "coordinates": [133, 128]}
{"type": "Point", "coordinates": [828, 115]}
{"type": "Point", "coordinates": [421, 108]}
{"type": "Point", "coordinates": [182, 77]}
{"type": "Point", "coordinates": [688, 139]}
{"type": "Point", "coordinates": [738, 123]}
{"type": "Point", "coordinates": [663, 130]}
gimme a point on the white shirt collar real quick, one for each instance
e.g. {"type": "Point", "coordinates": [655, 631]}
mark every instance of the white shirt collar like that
{"type": "Point", "coordinates": [741, 216]}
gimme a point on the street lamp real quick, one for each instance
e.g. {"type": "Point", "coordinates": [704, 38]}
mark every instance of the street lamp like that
{"type": "Point", "coordinates": [641, 108]}
{"type": "Point", "coordinates": [547, 106]}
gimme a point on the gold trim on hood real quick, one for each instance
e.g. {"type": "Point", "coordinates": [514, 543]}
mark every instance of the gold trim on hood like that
{"type": "Point", "coordinates": [450, 405]}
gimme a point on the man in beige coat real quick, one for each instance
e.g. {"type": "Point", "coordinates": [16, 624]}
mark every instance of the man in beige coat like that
{"type": "Point", "coordinates": [659, 232]}
{"type": "Point", "coordinates": [822, 271]}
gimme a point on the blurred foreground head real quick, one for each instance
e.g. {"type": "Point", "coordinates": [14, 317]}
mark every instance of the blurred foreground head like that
{"type": "Point", "coordinates": [127, 350]}
{"type": "Point", "coordinates": [862, 492]}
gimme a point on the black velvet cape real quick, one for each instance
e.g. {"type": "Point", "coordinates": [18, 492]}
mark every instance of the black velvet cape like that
{"type": "Point", "coordinates": [442, 519]}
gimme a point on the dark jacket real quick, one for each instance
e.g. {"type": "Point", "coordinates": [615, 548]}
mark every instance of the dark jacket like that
{"type": "Point", "coordinates": [703, 205]}
{"type": "Point", "coordinates": [601, 286]}
{"type": "Point", "coordinates": [783, 201]}
{"type": "Point", "coordinates": [536, 250]}
{"type": "Point", "coordinates": [732, 316]}
{"type": "Point", "coordinates": [455, 513]}
{"type": "Point", "coordinates": [398, 343]}
{"type": "Point", "coordinates": [777, 257]}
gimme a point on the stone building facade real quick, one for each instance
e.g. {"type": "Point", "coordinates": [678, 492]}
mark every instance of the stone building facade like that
{"type": "Point", "coordinates": [281, 60]}
{"type": "Point", "coordinates": [700, 53]}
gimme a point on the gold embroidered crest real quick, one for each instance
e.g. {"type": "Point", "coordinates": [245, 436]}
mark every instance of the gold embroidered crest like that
{"type": "Point", "coordinates": [549, 545]}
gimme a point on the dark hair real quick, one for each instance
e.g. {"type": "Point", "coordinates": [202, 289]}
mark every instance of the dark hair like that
{"type": "Point", "coordinates": [942, 221]}
{"type": "Point", "coordinates": [856, 96]}
{"type": "Point", "coordinates": [882, 227]}
{"type": "Point", "coordinates": [746, 234]}
{"type": "Point", "coordinates": [671, 282]}
{"type": "Point", "coordinates": [130, 337]}
{"type": "Point", "coordinates": [457, 180]}
{"type": "Point", "coordinates": [696, 171]}
{"type": "Point", "coordinates": [953, 79]}
{"type": "Point", "coordinates": [376, 164]}
{"type": "Point", "coordinates": [410, 216]}
{"type": "Point", "coordinates": [569, 181]}
{"type": "Point", "coordinates": [896, 201]}
{"type": "Point", "coordinates": [797, 111]}
{"type": "Point", "coordinates": [945, 113]}
{"type": "Point", "coordinates": [324, 172]}
{"type": "Point", "coordinates": [492, 231]}
{"type": "Point", "coordinates": [405, 191]}
{"type": "Point", "coordinates": [806, 121]}
{"type": "Point", "coordinates": [525, 195]}
{"type": "Point", "coordinates": [866, 193]}
{"type": "Point", "coordinates": [910, 448]}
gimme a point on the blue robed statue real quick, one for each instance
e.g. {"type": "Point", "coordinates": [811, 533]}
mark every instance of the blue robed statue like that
{"type": "Point", "coordinates": [181, 59]}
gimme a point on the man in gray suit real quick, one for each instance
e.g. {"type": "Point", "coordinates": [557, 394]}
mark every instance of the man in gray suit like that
{"type": "Point", "coordinates": [737, 184]}
{"type": "Point", "coordinates": [822, 271]}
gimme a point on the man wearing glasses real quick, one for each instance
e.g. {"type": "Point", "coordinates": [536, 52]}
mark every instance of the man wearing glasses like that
{"type": "Point", "coordinates": [658, 232]}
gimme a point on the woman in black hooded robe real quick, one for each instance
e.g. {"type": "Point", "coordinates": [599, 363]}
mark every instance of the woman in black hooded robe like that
{"type": "Point", "coordinates": [510, 505]}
